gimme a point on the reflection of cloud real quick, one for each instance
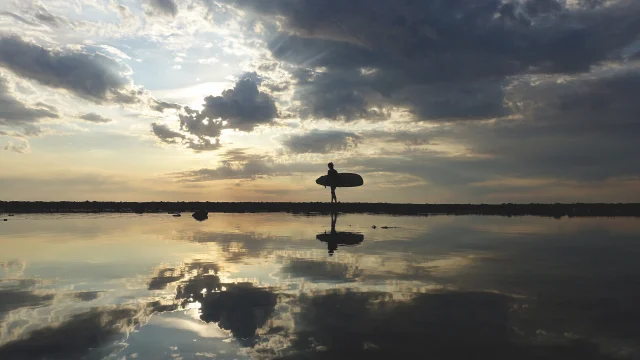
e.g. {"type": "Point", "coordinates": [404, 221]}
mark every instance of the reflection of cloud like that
{"type": "Point", "coordinates": [589, 286]}
{"type": "Point", "coordinates": [87, 295]}
{"type": "Point", "coordinates": [187, 324]}
{"type": "Point", "coordinates": [238, 307]}
{"type": "Point", "coordinates": [235, 246]}
{"type": "Point", "coordinates": [74, 337]}
{"type": "Point", "coordinates": [446, 325]}
{"type": "Point", "coordinates": [321, 271]}
{"type": "Point", "coordinates": [168, 276]}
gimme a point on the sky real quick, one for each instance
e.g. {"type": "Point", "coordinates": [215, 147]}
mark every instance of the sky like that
{"type": "Point", "coordinates": [431, 101]}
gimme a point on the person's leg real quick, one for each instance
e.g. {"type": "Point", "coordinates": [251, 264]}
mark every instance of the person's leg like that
{"type": "Point", "coordinates": [333, 195]}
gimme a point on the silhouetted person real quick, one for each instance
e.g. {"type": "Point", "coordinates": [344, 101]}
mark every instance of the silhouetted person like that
{"type": "Point", "coordinates": [332, 246]}
{"type": "Point", "coordinates": [332, 179]}
{"type": "Point", "coordinates": [334, 219]}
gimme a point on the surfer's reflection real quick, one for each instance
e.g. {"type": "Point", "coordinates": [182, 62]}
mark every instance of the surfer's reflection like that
{"type": "Point", "coordinates": [335, 238]}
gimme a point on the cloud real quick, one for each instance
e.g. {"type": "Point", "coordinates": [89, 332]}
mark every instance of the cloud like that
{"type": "Point", "coordinates": [19, 18]}
{"type": "Point", "coordinates": [161, 106]}
{"type": "Point", "coordinates": [95, 118]}
{"type": "Point", "coordinates": [13, 112]}
{"type": "Point", "coordinates": [321, 141]}
{"type": "Point", "coordinates": [330, 141]}
{"type": "Point", "coordinates": [20, 148]}
{"type": "Point", "coordinates": [48, 18]}
{"type": "Point", "coordinates": [204, 144]}
{"type": "Point", "coordinates": [242, 108]}
{"type": "Point", "coordinates": [440, 61]}
{"type": "Point", "coordinates": [583, 128]}
{"type": "Point", "coordinates": [236, 165]}
{"type": "Point", "coordinates": [164, 7]}
{"type": "Point", "coordinates": [165, 134]}
{"type": "Point", "coordinates": [198, 124]}
{"type": "Point", "coordinates": [94, 77]}
{"type": "Point", "coordinates": [405, 137]}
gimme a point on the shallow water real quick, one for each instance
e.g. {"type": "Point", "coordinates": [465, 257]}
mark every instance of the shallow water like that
{"type": "Point", "coordinates": [262, 286]}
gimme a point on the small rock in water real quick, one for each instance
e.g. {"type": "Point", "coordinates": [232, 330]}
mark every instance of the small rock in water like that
{"type": "Point", "coordinates": [11, 215]}
{"type": "Point", "coordinates": [177, 215]}
{"type": "Point", "coordinates": [200, 215]}
{"type": "Point", "coordinates": [373, 227]}
{"type": "Point", "coordinates": [6, 219]}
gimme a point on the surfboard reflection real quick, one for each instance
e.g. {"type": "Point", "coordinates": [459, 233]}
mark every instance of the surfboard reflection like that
{"type": "Point", "coordinates": [334, 239]}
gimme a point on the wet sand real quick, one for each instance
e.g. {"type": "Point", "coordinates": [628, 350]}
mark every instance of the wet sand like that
{"type": "Point", "coordinates": [547, 210]}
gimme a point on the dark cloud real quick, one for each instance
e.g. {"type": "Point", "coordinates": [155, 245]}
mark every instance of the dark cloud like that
{"type": "Point", "coordinates": [321, 141]}
{"type": "Point", "coordinates": [440, 60]}
{"type": "Point", "coordinates": [168, 136]}
{"type": "Point", "coordinates": [204, 144]}
{"type": "Point", "coordinates": [165, 134]}
{"type": "Point", "coordinates": [164, 7]}
{"type": "Point", "coordinates": [13, 112]}
{"type": "Point", "coordinates": [582, 129]}
{"type": "Point", "coordinates": [338, 96]}
{"type": "Point", "coordinates": [95, 118]}
{"type": "Point", "coordinates": [599, 103]}
{"type": "Point", "coordinates": [161, 106]}
{"type": "Point", "coordinates": [93, 77]}
{"type": "Point", "coordinates": [242, 108]}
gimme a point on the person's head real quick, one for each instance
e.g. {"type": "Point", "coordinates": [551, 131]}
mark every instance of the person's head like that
{"type": "Point", "coordinates": [330, 165]}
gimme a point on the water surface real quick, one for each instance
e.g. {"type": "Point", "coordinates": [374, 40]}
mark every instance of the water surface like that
{"type": "Point", "coordinates": [264, 286]}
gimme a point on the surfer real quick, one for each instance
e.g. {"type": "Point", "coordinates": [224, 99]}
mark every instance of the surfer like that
{"type": "Point", "coordinates": [332, 177]}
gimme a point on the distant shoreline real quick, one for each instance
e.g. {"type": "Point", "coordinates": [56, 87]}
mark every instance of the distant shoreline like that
{"type": "Point", "coordinates": [547, 210]}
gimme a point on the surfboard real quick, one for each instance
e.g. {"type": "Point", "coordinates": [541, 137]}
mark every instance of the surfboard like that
{"type": "Point", "coordinates": [344, 180]}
